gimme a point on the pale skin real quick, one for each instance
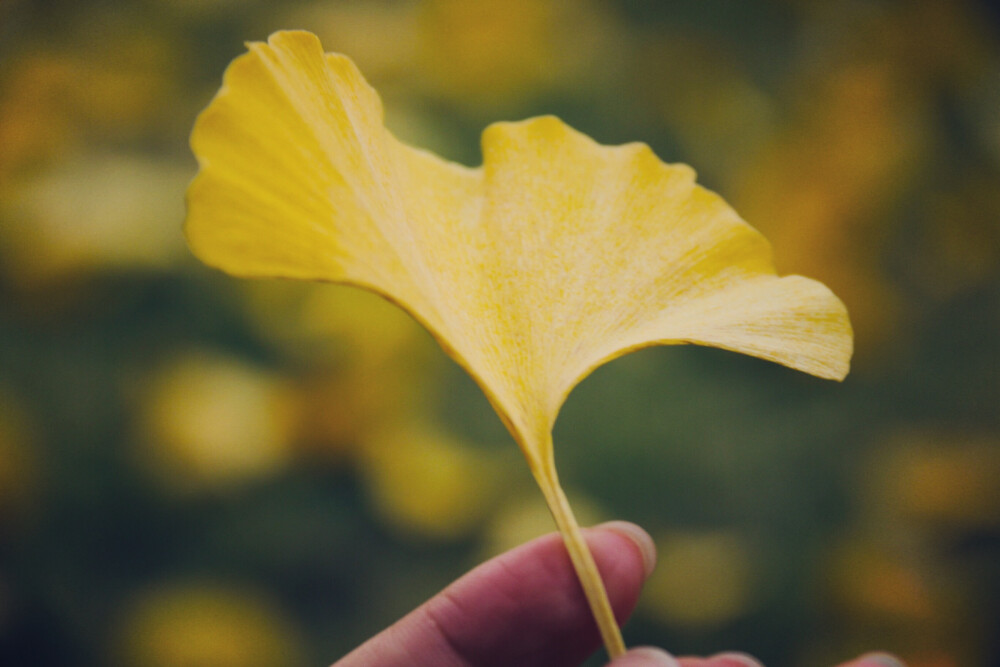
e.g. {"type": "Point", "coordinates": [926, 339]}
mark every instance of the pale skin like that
{"type": "Point", "coordinates": [525, 607]}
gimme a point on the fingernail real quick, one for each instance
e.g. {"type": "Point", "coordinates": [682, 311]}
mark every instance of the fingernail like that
{"type": "Point", "coordinates": [735, 658]}
{"type": "Point", "coordinates": [639, 537]}
{"type": "Point", "coordinates": [879, 660]}
{"type": "Point", "coordinates": [646, 656]}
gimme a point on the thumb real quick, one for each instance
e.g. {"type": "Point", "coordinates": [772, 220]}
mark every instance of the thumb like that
{"type": "Point", "coordinates": [524, 607]}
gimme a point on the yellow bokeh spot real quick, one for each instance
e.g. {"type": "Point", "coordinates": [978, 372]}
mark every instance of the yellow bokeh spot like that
{"type": "Point", "coordinates": [701, 580]}
{"type": "Point", "coordinates": [91, 212]}
{"type": "Point", "coordinates": [942, 479]}
{"type": "Point", "coordinates": [211, 419]}
{"type": "Point", "coordinates": [429, 485]}
{"type": "Point", "coordinates": [869, 580]}
{"type": "Point", "coordinates": [54, 99]}
{"type": "Point", "coordinates": [525, 517]}
{"type": "Point", "coordinates": [338, 325]}
{"type": "Point", "coordinates": [382, 37]}
{"type": "Point", "coordinates": [495, 53]}
{"type": "Point", "coordinates": [195, 625]}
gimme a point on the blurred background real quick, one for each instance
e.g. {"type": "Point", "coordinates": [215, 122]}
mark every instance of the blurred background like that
{"type": "Point", "coordinates": [197, 470]}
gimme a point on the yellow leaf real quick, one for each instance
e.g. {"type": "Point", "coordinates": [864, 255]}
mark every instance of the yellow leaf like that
{"type": "Point", "coordinates": [555, 256]}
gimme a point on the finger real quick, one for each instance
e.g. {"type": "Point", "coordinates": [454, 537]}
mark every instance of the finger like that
{"type": "Point", "coordinates": [645, 656]}
{"type": "Point", "coordinates": [875, 660]}
{"type": "Point", "coordinates": [728, 659]}
{"type": "Point", "coordinates": [524, 607]}
{"type": "Point", "coordinates": [744, 660]}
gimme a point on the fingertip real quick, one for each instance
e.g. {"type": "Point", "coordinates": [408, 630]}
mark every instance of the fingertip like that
{"type": "Point", "coordinates": [877, 659]}
{"type": "Point", "coordinates": [638, 537]}
{"type": "Point", "coordinates": [645, 656]}
{"type": "Point", "coordinates": [733, 659]}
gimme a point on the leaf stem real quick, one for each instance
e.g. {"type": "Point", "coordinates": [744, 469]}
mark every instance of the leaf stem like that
{"type": "Point", "coordinates": [583, 561]}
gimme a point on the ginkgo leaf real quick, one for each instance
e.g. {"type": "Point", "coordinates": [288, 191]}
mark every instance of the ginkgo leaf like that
{"type": "Point", "coordinates": [558, 254]}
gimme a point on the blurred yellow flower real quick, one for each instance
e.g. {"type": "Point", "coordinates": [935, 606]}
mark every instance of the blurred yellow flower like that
{"type": "Point", "coordinates": [55, 97]}
{"type": "Point", "coordinates": [93, 212]}
{"type": "Point", "coordinates": [939, 479]}
{"type": "Point", "coordinates": [701, 579]}
{"type": "Point", "coordinates": [555, 257]}
{"type": "Point", "coordinates": [205, 625]}
{"type": "Point", "coordinates": [521, 519]}
{"type": "Point", "coordinates": [364, 362]}
{"type": "Point", "coordinates": [209, 419]}
{"type": "Point", "coordinates": [867, 578]}
{"type": "Point", "coordinates": [34, 118]}
{"type": "Point", "coordinates": [382, 37]}
{"type": "Point", "coordinates": [335, 324]}
{"type": "Point", "coordinates": [428, 485]}
{"type": "Point", "coordinates": [495, 53]}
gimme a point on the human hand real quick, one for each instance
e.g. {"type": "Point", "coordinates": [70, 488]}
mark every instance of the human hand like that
{"type": "Point", "coordinates": [525, 608]}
